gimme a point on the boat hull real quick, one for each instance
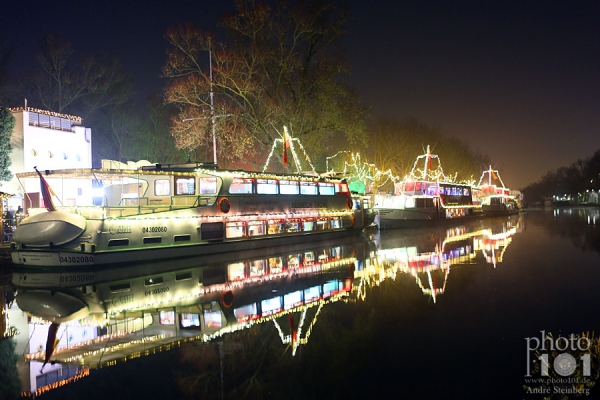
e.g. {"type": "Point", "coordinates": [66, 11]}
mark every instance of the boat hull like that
{"type": "Point", "coordinates": [74, 258]}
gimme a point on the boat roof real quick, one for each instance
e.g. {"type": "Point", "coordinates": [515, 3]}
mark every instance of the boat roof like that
{"type": "Point", "coordinates": [191, 169]}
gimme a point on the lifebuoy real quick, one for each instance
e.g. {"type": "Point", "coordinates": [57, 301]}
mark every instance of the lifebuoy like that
{"type": "Point", "coordinates": [224, 205]}
{"type": "Point", "coordinates": [227, 299]}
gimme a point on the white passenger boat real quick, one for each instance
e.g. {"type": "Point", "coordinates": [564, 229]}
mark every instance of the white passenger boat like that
{"type": "Point", "coordinates": [111, 216]}
{"type": "Point", "coordinates": [165, 304]}
{"type": "Point", "coordinates": [493, 196]}
{"type": "Point", "coordinates": [425, 196]}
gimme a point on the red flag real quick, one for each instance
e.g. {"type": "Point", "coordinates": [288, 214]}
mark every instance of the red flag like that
{"type": "Point", "coordinates": [50, 341]}
{"type": "Point", "coordinates": [494, 175]}
{"type": "Point", "coordinates": [429, 161]}
{"type": "Point", "coordinates": [47, 192]}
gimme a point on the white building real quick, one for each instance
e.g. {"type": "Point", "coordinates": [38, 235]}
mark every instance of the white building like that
{"type": "Point", "coordinates": [48, 141]}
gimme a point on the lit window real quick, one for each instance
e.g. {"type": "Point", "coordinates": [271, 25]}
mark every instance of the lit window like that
{"type": "Point", "coordinates": [50, 155]}
{"type": "Point", "coordinates": [234, 229]}
{"type": "Point", "coordinates": [208, 185]}
{"type": "Point", "coordinates": [256, 228]}
{"type": "Point", "coordinates": [326, 188]}
{"type": "Point", "coordinates": [266, 186]}
{"type": "Point", "coordinates": [162, 187]}
{"type": "Point", "coordinates": [185, 186]}
{"type": "Point", "coordinates": [241, 186]}
{"type": "Point", "coordinates": [65, 156]}
{"type": "Point", "coordinates": [308, 188]}
{"type": "Point", "coordinates": [288, 187]}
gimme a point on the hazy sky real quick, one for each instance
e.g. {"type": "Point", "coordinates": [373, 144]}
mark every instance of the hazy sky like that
{"type": "Point", "coordinates": [517, 80]}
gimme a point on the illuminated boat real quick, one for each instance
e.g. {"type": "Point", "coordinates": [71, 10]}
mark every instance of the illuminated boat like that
{"type": "Point", "coordinates": [149, 212]}
{"type": "Point", "coordinates": [425, 196]}
{"type": "Point", "coordinates": [495, 198]}
{"type": "Point", "coordinates": [191, 299]}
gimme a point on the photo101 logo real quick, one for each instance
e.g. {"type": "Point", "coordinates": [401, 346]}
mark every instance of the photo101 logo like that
{"type": "Point", "coordinates": [562, 355]}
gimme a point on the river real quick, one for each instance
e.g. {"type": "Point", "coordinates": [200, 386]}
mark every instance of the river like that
{"type": "Point", "coordinates": [462, 311]}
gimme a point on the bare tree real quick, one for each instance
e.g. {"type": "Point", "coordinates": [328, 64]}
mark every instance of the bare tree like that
{"type": "Point", "coordinates": [279, 67]}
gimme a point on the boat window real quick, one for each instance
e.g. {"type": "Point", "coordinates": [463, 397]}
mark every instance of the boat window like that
{"type": "Point", "coordinates": [275, 226]}
{"type": "Point", "coordinates": [326, 188]}
{"type": "Point", "coordinates": [309, 224]}
{"type": "Point", "coordinates": [213, 276]}
{"type": "Point", "coordinates": [184, 276]}
{"type": "Point", "coordinates": [189, 320]}
{"type": "Point", "coordinates": [292, 300]}
{"type": "Point", "coordinates": [208, 185]}
{"type": "Point", "coordinates": [293, 260]}
{"type": "Point", "coordinates": [312, 293]}
{"type": "Point", "coordinates": [167, 317]}
{"type": "Point", "coordinates": [257, 268]}
{"type": "Point", "coordinates": [153, 281]}
{"type": "Point", "coordinates": [322, 223]}
{"type": "Point", "coordinates": [185, 186]}
{"type": "Point", "coordinates": [288, 187]}
{"type": "Point", "coordinates": [118, 242]}
{"type": "Point", "coordinates": [246, 312]}
{"type": "Point", "coordinates": [309, 258]}
{"type": "Point", "coordinates": [212, 319]}
{"type": "Point", "coordinates": [182, 238]}
{"type": "Point", "coordinates": [330, 288]}
{"type": "Point", "coordinates": [236, 271]}
{"type": "Point", "coordinates": [241, 186]}
{"type": "Point", "coordinates": [235, 229]}
{"type": "Point", "coordinates": [341, 188]}
{"type": "Point", "coordinates": [410, 202]}
{"type": "Point", "coordinates": [256, 228]}
{"type": "Point", "coordinates": [152, 240]}
{"type": "Point", "coordinates": [420, 202]}
{"type": "Point", "coordinates": [429, 202]}
{"type": "Point", "coordinates": [335, 222]}
{"type": "Point", "coordinates": [309, 188]}
{"type": "Point", "coordinates": [211, 231]}
{"type": "Point", "coordinates": [275, 265]}
{"type": "Point", "coordinates": [293, 225]}
{"type": "Point", "coordinates": [162, 187]}
{"type": "Point", "coordinates": [266, 186]}
{"type": "Point", "coordinates": [121, 287]}
{"type": "Point", "coordinates": [270, 306]}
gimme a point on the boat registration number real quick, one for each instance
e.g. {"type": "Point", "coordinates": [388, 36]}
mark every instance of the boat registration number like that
{"type": "Point", "coordinates": [78, 260]}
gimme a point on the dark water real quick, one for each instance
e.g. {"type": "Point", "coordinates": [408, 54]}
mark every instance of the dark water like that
{"type": "Point", "coordinates": [434, 313]}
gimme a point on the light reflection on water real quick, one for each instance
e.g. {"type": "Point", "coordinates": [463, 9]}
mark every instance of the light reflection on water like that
{"type": "Point", "coordinates": [431, 312]}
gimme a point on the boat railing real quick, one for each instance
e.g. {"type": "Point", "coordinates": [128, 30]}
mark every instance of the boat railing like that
{"type": "Point", "coordinates": [135, 206]}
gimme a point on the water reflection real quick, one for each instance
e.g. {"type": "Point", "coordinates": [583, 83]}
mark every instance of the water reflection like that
{"type": "Point", "coordinates": [259, 306]}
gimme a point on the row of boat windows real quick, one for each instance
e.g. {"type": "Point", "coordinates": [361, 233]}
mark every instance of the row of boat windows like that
{"type": "Point", "coordinates": [247, 269]}
{"type": "Point", "coordinates": [434, 190]}
{"type": "Point", "coordinates": [238, 229]}
{"type": "Point", "coordinates": [213, 318]}
{"type": "Point", "coordinates": [209, 186]}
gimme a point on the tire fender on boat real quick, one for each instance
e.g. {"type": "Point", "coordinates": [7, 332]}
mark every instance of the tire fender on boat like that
{"type": "Point", "coordinates": [227, 299]}
{"type": "Point", "coordinates": [224, 205]}
{"type": "Point", "coordinates": [349, 203]}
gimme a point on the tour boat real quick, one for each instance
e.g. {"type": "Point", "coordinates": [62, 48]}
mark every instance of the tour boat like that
{"type": "Point", "coordinates": [425, 196]}
{"type": "Point", "coordinates": [136, 213]}
{"type": "Point", "coordinates": [108, 311]}
{"type": "Point", "coordinates": [493, 196]}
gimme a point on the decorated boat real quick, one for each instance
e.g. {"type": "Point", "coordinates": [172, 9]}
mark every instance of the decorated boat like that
{"type": "Point", "coordinates": [124, 213]}
{"type": "Point", "coordinates": [106, 312]}
{"type": "Point", "coordinates": [493, 196]}
{"type": "Point", "coordinates": [426, 195]}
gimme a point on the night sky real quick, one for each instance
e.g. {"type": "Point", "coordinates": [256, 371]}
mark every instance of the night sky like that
{"type": "Point", "coordinates": [517, 80]}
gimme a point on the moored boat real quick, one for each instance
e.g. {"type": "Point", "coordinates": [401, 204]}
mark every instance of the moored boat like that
{"type": "Point", "coordinates": [123, 215]}
{"type": "Point", "coordinates": [493, 196]}
{"type": "Point", "coordinates": [425, 196]}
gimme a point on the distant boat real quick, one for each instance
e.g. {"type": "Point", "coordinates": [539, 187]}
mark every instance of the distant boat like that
{"type": "Point", "coordinates": [493, 196]}
{"type": "Point", "coordinates": [425, 196]}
